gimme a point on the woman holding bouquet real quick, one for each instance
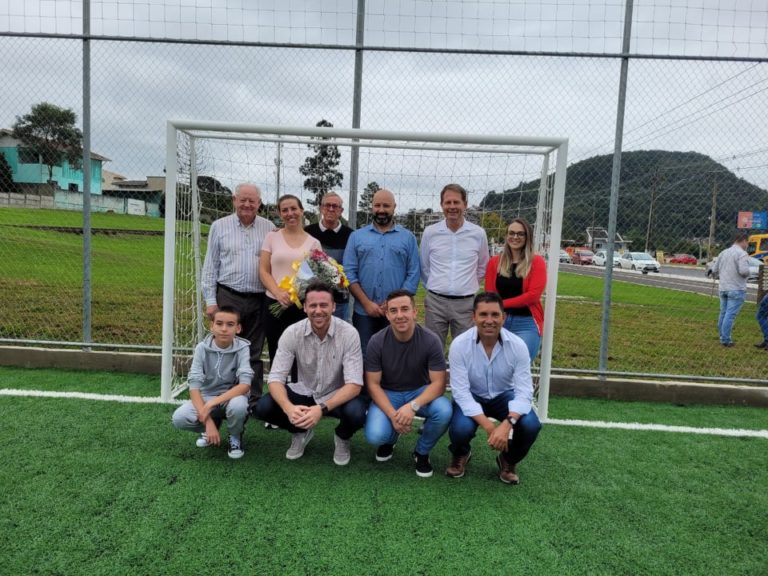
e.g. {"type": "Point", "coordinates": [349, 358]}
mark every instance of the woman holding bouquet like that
{"type": "Point", "coordinates": [519, 276]}
{"type": "Point", "coordinates": [281, 248]}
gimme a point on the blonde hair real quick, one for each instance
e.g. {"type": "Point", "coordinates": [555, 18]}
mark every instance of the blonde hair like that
{"type": "Point", "coordinates": [505, 260]}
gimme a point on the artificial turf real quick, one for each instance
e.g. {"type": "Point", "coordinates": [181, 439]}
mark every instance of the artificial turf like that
{"type": "Point", "coordinates": [111, 488]}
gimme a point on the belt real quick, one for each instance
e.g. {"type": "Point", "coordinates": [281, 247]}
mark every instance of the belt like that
{"type": "Point", "coordinates": [236, 293]}
{"type": "Point", "coordinates": [449, 297]}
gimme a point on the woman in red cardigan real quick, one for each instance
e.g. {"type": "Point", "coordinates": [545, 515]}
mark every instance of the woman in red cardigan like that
{"type": "Point", "coordinates": [519, 276]}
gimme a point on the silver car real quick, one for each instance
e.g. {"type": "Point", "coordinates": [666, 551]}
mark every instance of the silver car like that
{"type": "Point", "coordinates": [641, 261]}
{"type": "Point", "coordinates": [601, 256]}
{"type": "Point", "coordinates": [754, 269]}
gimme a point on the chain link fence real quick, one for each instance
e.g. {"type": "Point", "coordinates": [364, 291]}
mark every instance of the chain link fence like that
{"type": "Point", "coordinates": [694, 153]}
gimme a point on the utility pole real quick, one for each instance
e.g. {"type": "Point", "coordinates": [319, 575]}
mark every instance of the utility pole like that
{"type": "Point", "coordinates": [278, 169]}
{"type": "Point", "coordinates": [650, 208]}
{"type": "Point", "coordinates": [712, 220]}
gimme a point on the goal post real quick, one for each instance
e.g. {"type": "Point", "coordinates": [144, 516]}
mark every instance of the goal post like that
{"type": "Point", "coordinates": [414, 165]}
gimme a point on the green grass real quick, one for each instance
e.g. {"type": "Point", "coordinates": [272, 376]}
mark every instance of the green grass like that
{"type": "Point", "coordinates": [651, 330]}
{"type": "Point", "coordinates": [107, 488]}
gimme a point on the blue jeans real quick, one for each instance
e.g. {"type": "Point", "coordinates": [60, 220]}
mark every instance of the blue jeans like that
{"type": "Point", "coordinates": [367, 326]}
{"type": "Point", "coordinates": [436, 414]}
{"type": "Point", "coordinates": [525, 327]}
{"type": "Point", "coordinates": [762, 317]}
{"type": "Point", "coordinates": [342, 311]}
{"type": "Point", "coordinates": [463, 428]}
{"type": "Point", "coordinates": [731, 302]}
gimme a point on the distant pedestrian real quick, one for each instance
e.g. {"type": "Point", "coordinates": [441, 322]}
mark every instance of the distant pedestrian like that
{"type": "Point", "coordinates": [762, 320]}
{"type": "Point", "coordinates": [732, 267]}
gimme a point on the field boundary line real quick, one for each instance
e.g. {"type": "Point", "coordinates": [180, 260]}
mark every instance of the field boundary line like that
{"type": "Point", "coordinates": [86, 396]}
{"type": "Point", "coordinates": [733, 432]}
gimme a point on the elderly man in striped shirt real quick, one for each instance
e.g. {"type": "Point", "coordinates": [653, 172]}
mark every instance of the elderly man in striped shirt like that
{"type": "Point", "coordinates": [231, 273]}
{"type": "Point", "coordinates": [327, 352]}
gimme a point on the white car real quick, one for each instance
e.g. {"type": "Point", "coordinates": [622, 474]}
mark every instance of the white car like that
{"type": "Point", "coordinates": [754, 269]}
{"type": "Point", "coordinates": [601, 256]}
{"type": "Point", "coordinates": [639, 261]}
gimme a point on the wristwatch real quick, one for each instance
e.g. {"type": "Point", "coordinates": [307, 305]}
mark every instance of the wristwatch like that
{"type": "Point", "coordinates": [324, 408]}
{"type": "Point", "coordinates": [415, 406]}
{"type": "Point", "coordinates": [512, 420]}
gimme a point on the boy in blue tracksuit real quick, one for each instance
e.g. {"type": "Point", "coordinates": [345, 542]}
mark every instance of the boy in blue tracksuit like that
{"type": "Point", "coordinates": [219, 384]}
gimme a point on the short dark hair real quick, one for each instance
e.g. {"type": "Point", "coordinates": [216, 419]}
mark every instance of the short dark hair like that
{"type": "Point", "coordinates": [228, 310]}
{"type": "Point", "coordinates": [399, 294]}
{"type": "Point", "coordinates": [487, 298]}
{"type": "Point", "coordinates": [318, 286]}
{"type": "Point", "coordinates": [454, 188]}
{"type": "Point", "coordinates": [740, 236]}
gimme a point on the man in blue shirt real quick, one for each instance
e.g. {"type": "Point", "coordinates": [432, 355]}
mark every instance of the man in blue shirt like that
{"type": "Point", "coordinates": [491, 378]}
{"type": "Point", "coordinates": [379, 258]}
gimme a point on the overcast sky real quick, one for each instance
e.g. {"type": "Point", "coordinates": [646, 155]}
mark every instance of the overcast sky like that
{"type": "Point", "coordinates": [717, 108]}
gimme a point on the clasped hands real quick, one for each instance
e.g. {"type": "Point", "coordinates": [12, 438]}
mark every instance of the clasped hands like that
{"type": "Point", "coordinates": [305, 417]}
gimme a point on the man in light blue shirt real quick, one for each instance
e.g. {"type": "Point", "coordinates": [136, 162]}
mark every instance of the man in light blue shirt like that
{"type": "Point", "coordinates": [491, 378]}
{"type": "Point", "coordinates": [379, 258]}
{"type": "Point", "coordinates": [454, 255]}
{"type": "Point", "coordinates": [231, 273]}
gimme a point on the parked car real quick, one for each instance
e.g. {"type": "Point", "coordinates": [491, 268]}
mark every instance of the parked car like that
{"type": "Point", "coordinates": [639, 261]}
{"type": "Point", "coordinates": [565, 258]}
{"type": "Point", "coordinates": [601, 256]}
{"type": "Point", "coordinates": [683, 259]}
{"type": "Point", "coordinates": [754, 268]}
{"type": "Point", "coordinates": [583, 256]}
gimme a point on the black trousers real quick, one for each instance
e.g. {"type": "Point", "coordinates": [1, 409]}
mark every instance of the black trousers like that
{"type": "Point", "coordinates": [252, 309]}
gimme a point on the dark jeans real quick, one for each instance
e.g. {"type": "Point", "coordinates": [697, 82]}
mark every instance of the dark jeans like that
{"type": "Point", "coordinates": [463, 428]}
{"type": "Point", "coordinates": [367, 326]}
{"type": "Point", "coordinates": [351, 415]}
{"type": "Point", "coordinates": [275, 328]}
{"type": "Point", "coordinates": [252, 309]}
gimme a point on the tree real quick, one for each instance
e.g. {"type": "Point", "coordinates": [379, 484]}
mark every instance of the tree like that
{"type": "Point", "coordinates": [365, 202]}
{"type": "Point", "coordinates": [50, 132]}
{"type": "Point", "coordinates": [493, 225]}
{"type": "Point", "coordinates": [6, 176]}
{"type": "Point", "coordinates": [321, 169]}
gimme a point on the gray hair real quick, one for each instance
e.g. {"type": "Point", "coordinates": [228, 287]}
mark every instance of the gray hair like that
{"type": "Point", "coordinates": [249, 184]}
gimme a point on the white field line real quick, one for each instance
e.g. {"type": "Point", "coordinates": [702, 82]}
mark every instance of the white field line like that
{"type": "Point", "coordinates": [661, 428]}
{"type": "Point", "coordinates": [86, 396]}
{"type": "Point", "coordinates": [583, 423]}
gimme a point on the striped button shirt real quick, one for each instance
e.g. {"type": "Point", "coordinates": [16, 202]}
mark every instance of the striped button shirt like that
{"type": "Point", "coordinates": [232, 258]}
{"type": "Point", "coordinates": [325, 365]}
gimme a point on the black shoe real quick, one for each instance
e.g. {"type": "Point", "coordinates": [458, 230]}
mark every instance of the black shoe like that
{"type": "Point", "coordinates": [727, 344]}
{"type": "Point", "coordinates": [384, 452]}
{"type": "Point", "coordinates": [423, 465]}
{"type": "Point", "coordinates": [762, 344]}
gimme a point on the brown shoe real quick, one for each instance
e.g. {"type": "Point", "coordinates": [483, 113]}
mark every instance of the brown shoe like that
{"type": "Point", "coordinates": [507, 471]}
{"type": "Point", "coordinates": [458, 465]}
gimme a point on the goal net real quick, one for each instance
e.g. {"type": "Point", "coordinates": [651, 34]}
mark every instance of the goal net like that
{"type": "Point", "coordinates": [206, 160]}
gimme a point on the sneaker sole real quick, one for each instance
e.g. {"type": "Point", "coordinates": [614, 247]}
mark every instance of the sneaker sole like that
{"type": "Point", "coordinates": [342, 462]}
{"type": "Point", "coordinates": [236, 455]}
{"type": "Point", "coordinates": [386, 458]}
{"type": "Point", "coordinates": [424, 474]}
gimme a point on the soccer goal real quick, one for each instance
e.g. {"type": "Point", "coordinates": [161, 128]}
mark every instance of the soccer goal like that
{"type": "Point", "coordinates": [505, 177]}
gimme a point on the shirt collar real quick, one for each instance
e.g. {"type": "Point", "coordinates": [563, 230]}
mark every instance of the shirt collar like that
{"type": "Point", "coordinates": [324, 228]}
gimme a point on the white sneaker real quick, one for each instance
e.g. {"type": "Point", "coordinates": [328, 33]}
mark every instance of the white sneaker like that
{"type": "Point", "coordinates": [235, 448]}
{"type": "Point", "coordinates": [202, 441]}
{"type": "Point", "coordinates": [299, 442]}
{"type": "Point", "coordinates": [342, 453]}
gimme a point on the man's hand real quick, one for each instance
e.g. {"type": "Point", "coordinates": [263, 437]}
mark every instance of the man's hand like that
{"type": "Point", "coordinates": [372, 309]}
{"type": "Point", "coordinates": [211, 310]}
{"type": "Point", "coordinates": [499, 436]}
{"type": "Point", "coordinates": [310, 417]}
{"type": "Point", "coordinates": [207, 409]}
{"type": "Point", "coordinates": [212, 432]}
{"type": "Point", "coordinates": [402, 419]}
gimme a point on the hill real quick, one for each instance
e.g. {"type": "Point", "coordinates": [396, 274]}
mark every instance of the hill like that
{"type": "Point", "coordinates": [681, 184]}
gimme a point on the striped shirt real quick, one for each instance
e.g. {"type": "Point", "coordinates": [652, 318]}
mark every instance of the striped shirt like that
{"type": "Point", "coordinates": [325, 365]}
{"type": "Point", "coordinates": [232, 258]}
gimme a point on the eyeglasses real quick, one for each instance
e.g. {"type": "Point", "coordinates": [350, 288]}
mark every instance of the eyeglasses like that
{"type": "Point", "coordinates": [332, 206]}
{"type": "Point", "coordinates": [516, 234]}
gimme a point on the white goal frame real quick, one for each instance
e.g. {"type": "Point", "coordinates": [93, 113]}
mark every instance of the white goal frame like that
{"type": "Point", "coordinates": [551, 198]}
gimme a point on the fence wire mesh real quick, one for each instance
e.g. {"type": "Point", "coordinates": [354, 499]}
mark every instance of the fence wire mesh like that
{"type": "Point", "coordinates": [694, 155]}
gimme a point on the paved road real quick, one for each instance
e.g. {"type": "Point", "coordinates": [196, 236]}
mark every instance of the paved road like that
{"type": "Point", "coordinates": [686, 279]}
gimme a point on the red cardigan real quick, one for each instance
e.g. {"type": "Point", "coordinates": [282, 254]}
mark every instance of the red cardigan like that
{"type": "Point", "coordinates": [533, 288]}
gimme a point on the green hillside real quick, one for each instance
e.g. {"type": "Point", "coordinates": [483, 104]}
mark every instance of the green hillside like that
{"type": "Point", "coordinates": [682, 183]}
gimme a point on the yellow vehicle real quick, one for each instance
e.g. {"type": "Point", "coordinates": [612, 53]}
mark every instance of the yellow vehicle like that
{"type": "Point", "coordinates": [758, 247]}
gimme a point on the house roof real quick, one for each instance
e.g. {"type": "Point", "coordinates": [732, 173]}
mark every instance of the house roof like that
{"type": "Point", "coordinates": [94, 155]}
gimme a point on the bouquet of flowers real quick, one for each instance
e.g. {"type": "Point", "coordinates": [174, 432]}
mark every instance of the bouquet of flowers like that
{"type": "Point", "coordinates": [317, 265]}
